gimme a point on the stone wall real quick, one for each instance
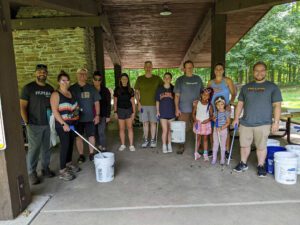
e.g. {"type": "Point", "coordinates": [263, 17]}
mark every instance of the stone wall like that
{"type": "Point", "coordinates": [67, 49]}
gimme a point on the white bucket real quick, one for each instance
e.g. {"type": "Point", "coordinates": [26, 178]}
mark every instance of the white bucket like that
{"type": "Point", "coordinates": [273, 142]}
{"type": "Point", "coordinates": [178, 131]}
{"type": "Point", "coordinates": [285, 167]}
{"type": "Point", "coordinates": [104, 167]}
{"type": "Point", "coordinates": [295, 149]}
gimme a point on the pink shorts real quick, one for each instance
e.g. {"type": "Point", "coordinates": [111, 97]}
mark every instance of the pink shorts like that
{"type": "Point", "coordinates": [202, 129]}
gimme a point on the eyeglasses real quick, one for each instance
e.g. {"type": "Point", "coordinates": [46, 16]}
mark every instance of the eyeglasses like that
{"type": "Point", "coordinates": [64, 80]}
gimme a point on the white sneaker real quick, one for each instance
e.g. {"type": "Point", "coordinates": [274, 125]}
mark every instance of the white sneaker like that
{"type": "Point", "coordinates": [145, 143]}
{"type": "Point", "coordinates": [170, 148]}
{"type": "Point", "coordinates": [153, 143]}
{"type": "Point", "coordinates": [122, 148]}
{"type": "Point", "coordinates": [131, 148]}
{"type": "Point", "coordinates": [164, 149]}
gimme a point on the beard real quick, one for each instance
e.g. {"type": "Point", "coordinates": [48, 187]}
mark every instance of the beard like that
{"type": "Point", "coordinates": [259, 79]}
{"type": "Point", "coordinates": [42, 78]}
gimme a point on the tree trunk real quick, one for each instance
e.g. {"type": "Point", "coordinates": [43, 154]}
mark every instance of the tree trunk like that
{"type": "Point", "coordinates": [240, 76]}
{"type": "Point", "coordinates": [294, 74]}
{"type": "Point", "coordinates": [279, 76]}
{"type": "Point", "coordinates": [289, 73]}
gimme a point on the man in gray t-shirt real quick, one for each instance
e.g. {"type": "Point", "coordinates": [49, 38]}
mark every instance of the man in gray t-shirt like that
{"type": "Point", "coordinates": [88, 100]}
{"type": "Point", "coordinates": [259, 99]}
{"type": "Point", "coordinates": [187, 89]}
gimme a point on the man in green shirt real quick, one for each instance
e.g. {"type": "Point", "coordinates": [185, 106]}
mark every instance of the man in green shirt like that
{"type": "Point", "coordinates": [145, 89]}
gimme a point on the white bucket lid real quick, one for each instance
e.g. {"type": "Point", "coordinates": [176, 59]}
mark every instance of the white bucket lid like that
{"type": "Point", "coordinates": [285, 155]}
{"type": "Point", "coordinates": [293, 148]}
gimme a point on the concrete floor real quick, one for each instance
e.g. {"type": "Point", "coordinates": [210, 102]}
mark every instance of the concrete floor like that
{"type": "Point", "coordinates": [155, 188]}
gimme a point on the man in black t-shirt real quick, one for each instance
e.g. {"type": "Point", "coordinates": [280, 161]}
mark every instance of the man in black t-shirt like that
{"type": "Point", "coordinates": [34, 103]}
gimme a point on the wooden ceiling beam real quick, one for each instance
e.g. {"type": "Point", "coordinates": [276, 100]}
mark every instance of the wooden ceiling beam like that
{"type": "Point", "coordinates": [200, 39]}
{"type": "Point", "coordinates": [109, 41]}
{"type": "Point", "coordinates": [55, 23]}
{"type": "Point", "coordinates": [75, 7]}
{"type": "Point", "coordinates": [233, 6]}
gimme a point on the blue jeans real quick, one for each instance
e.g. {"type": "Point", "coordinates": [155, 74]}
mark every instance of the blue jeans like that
{"type": "Point", "coordinates": [101, 132]}
{"type": "Point", "coordinates": [38, 143]}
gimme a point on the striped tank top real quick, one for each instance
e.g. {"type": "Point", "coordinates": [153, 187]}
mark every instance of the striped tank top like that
{"type": "Point", "coordinates": [68, 109]}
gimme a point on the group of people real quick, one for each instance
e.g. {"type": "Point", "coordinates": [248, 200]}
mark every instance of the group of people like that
{"type": "Point", "coordinates": [205, 110]}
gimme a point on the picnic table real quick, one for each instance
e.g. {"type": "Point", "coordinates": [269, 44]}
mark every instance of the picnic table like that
{"type": "Point", "coordinates": [288, 116]}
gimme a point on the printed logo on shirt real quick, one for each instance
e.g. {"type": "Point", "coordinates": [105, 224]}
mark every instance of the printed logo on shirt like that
{"type": "Point", "coordinates": [216, 90]}
{"type": "Point", "coordinates": [166, 95]}
{"type": "Point", "coordinates": [47, 94]}
{"type": "Point", "coordinates": [191, 83]}
{"type": "Point", "coordinates": [254, 89]}
{"type": "Point", "coordinates": [85, 94]}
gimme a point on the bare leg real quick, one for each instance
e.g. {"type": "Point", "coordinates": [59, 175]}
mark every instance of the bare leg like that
{"type": "Point", "coordinates": [164, 126]}
{"type": "Point", "coordinates": [92, 141]}
{"type": "Point", "coordinates": [245, 152]}
{"type": "Point", "coordinates": [153, 129]}
{"type": "Point", "coordinates": [169, 131]}
{"type": "Point", "coordinates": [122, 131]}
{"type": "Point", "coordinates": [130, 131]}
{"type": "Point", "coordinates": [146, 129]}
{"type": "Point", "coordinates": [261, 156]}
{"type": "Point", "coordinates": [79, 145]}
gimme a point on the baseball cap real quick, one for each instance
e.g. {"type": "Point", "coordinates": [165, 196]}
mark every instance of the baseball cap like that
{"type": "Point", "coordinates": [41, 67]}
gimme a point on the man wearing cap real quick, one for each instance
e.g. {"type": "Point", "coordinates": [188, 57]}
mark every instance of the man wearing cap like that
{"type": "Point", "coordinates": [259, 99]}
{"type": "Point", "coordinates": [34, 104]}
{"type": "Point", "coordinates": [88, 100]}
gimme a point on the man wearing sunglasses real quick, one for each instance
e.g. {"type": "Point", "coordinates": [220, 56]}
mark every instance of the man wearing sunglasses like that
{"type": "Point", "coordinates": [34, 103]}
{"type": "Point", "coordinates": [88, 99]}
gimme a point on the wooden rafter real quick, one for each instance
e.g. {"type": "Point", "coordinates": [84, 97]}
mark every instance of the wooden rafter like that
{"type": "Point", "coordinates": [55, 22]}
{"type": "Point", "coordinates": [109, 41]}
{"type": "Point", "coordinates": [200, 39]}
{"type": "Point", "coordinates": [76, 7]}
{"type": "Point", "coordinates": [233, 6]}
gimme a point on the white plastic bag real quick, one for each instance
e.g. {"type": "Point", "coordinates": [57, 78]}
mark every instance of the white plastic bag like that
{"type": "Point", "coordinates": [54, 139]}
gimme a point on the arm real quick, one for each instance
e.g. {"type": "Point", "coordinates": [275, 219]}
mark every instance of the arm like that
{"type": "Point", "coordinates": [115, 107]}
{"type": "Point", "coordinates": [277, 113]}
{"type": "Point", "coordinates": [194, 111]}
{"type": "Point", "coordinates": [97, 109]}
{"type": "Point", "coordinates": [210, 115]}
{"type": "Point", "coordinates": [24, 113]}
{"type": "Point", "coordinates": [108, 103]}
{"type": "Point", "coordinates": [178, 113]}
{"type": "Point", "coordinates": [137, 97]}
{"type": "Point", "coordinates": [54, 101]}
{"type": "Point", "coordinates": [157, 109]}
{"type": "Point", "coordinates": [133, 107]}
{"type": "Point", "coordinates": [232, 90]}
{"type": "Point", "coordinates": [238, 110]}
{"type": "Point", "coordinates": [226, 124]}
{"type": "Point", "coordinates": [209, 83]}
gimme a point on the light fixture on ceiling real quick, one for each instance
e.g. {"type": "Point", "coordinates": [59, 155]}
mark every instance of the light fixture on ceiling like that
{"type": "Point", "coordinates": [165, 11]}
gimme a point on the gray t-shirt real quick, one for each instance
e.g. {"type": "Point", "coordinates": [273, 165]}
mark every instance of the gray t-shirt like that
{"type": "Point", "coordinates": [189, 89]}
{"type": "Point", "coordinates": [86, 96]}
{"type": "Point", "coordinates": [258, 99]}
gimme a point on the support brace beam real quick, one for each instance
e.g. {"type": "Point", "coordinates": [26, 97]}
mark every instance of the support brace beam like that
{"type": "Point", "coordinates": [199, 40]}
{"type": "Point", "coordinates": [55, 23]}
{"type": "Point", "coordinates": [109, 41]}
{"type": "Point", "coordinates": [75, 7]}
{"type": "Point", "coordinates": [218, 40]}
{"type": "Point", "coordinates": [14, 186]}
{"type": "Point", "coordinates": [233, 6]}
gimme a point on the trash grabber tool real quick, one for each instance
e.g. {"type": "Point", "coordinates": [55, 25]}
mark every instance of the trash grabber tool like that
{"type": "Point", "coordinates": [232, 142]}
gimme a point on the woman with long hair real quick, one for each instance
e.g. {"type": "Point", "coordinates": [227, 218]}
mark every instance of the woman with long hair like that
{"type": "Point", "coordinates": [223, 86]}
{"type": "Point", "coordinates": [124, 109]}
{"type": "Point", "coordinates": [66, 113]}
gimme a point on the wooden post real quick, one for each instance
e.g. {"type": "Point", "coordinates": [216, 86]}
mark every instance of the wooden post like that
{"type": "Point", "coordinates": [118, 72]}
{"type": "Point", "coordinates": [218, 40]}
{"type": "Point", "coordinates": [99, 47]}
{"type": "Point", "coordinates": [14, 185]}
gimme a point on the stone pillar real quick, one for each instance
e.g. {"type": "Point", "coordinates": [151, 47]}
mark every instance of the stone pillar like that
{"type": "Point", "coordinates": [118, 72]}
{"type": "Point", "coordinates": [99, 48]}
{"type": "Point", "coordinates": [218, 40]}
{"type": "Point", "coordinates": [14, 185]}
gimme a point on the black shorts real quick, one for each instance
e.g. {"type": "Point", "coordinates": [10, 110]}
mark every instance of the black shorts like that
{"type": "Point", "coordinates": [124, 114]}
{"type": "Point", "coordinates": [87, 128]}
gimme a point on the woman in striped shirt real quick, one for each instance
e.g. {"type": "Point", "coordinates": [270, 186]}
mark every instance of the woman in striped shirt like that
{"type": "Point", "coordinates": [66, 112]}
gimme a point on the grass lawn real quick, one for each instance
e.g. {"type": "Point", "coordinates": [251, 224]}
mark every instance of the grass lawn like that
{"type": "Point", "coordinates": [291, 97]}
